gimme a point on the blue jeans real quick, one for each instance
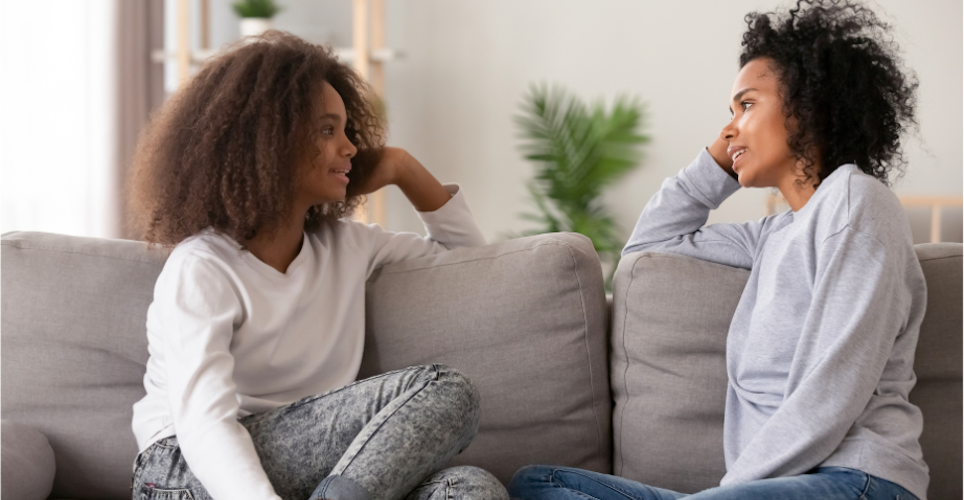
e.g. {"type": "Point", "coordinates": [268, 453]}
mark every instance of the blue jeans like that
{"type": "Point", "coordinates": [543, 482]}
{"type": "Point", "coordinates": [383, 438]}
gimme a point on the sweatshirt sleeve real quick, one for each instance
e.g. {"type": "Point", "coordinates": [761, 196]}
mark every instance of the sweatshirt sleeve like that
{"type": "Point", "coordinates": [673, 220]}
{"type": "Point", "coordinates": [860, 304]}
{"type": "Point", "coordinates": [197, 310]}
{"type": "Point", "coordinates": [450, 226]}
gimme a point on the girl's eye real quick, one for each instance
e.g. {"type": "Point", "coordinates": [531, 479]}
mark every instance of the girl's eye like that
{"type": "Point", "coordinates": [328, 130]}
{"type": "Point", "coordinates": [746, 105]}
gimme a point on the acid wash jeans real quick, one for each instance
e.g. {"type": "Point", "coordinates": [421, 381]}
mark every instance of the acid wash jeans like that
{"type": "Point", "coordinates": [386, 437]}
{"type": "Point", "coordinates": [544, 482]}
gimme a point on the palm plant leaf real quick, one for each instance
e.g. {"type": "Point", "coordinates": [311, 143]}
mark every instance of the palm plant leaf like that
{"type": "Point", "coordinates": [578, 150]}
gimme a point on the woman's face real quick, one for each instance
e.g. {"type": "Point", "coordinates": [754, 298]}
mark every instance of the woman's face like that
{"type": "Point", "coordinates": [325, 180]}
{"type": "Point", "coordinates": [757, 134]}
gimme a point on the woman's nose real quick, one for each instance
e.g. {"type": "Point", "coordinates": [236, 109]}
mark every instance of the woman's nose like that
{"type": "Point", "coordinates": [729, 132]}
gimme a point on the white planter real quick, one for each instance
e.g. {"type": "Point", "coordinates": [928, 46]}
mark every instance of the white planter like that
{"type": "Point", "coordinates": [254, 26]}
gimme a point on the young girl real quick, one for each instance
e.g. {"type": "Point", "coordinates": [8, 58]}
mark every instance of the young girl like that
{"type": "Point", "coordinates": [257, 326]}
{"type": "Point", "coordinates": [821, 347]}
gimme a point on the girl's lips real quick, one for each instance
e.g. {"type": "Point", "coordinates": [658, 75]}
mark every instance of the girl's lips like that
{"type": "Point", "coordinates": [340, 175]}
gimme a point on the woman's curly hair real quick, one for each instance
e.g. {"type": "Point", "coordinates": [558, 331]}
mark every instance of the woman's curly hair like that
{"type": "Point", "coordinates": [842, 81]}
{"type": "Point", "coordinates": [225, 150]}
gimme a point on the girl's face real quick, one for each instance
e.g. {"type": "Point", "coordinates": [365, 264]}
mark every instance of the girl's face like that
{"type": "Point", "coordinates": [757, 133]}
{"type": "Point", "coordinates": [325, 180]}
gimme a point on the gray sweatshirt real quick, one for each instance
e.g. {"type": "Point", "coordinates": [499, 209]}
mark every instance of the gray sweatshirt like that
{"type": "Point", "coordinates": [820, 351]}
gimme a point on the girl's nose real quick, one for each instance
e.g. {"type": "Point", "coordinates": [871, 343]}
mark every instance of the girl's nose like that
{"type": "Point", "coordinates": [349, 149]}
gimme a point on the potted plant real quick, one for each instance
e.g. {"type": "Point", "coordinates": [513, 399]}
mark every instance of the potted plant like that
{"type": "Point", "coordinates": [255, 15]}
{"type": "Point", "coordinates": [578, 150]}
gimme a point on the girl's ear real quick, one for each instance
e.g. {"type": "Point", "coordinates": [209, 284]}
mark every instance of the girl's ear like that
{"type": "Point", "coordinates": [362, 165]}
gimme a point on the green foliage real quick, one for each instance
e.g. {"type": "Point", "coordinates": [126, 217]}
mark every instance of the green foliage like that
{"type": "Point", "coordinates": [578, 150]}
{"type": "Point", "coordinates": [256, 8]}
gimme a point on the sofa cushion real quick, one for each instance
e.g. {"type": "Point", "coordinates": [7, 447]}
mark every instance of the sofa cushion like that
{"type": "Point", "coordinates": [526, 321]}
{"type": "Point", "coordinates": [668, 343]}
{"type": "Point", "coordinates": [28, 462]}
{"type": "Point", "coordinates": [74, 351]}
{"type": "Point", "coordinates": [938, 368]}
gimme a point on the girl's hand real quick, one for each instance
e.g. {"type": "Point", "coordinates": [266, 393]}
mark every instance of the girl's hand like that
{"type": "Point", "coordinates": [392, 164]}
{"type": "Point", "coordinates": [398, 167]}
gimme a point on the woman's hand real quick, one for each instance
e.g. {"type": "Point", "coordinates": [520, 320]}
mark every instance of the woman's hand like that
{"type": "Point", "coordinates": [718, 152]}
{"type": "Point", "coordinates": [398, 167]}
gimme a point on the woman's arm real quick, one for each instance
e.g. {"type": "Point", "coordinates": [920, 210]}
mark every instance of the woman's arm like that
{"type": "Point", "coordinates": [862, 305]}
{"type": "Point", "coordinates": [674, 219]}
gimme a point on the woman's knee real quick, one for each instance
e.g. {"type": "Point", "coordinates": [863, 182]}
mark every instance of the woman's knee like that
{"type": "Point", "coordinates": [529, 476]}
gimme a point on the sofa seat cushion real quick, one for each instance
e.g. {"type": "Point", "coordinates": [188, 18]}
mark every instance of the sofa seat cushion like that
{"type": "Point", "coordinates": [28, 462]}
{"type": "Point", "coordinates": [526, 320]}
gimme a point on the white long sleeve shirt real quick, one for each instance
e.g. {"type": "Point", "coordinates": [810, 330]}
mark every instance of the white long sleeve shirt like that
{"type": "Point", "coordinates": [820, 350]}
{"type": "Point", "coordinates": [230, 336]}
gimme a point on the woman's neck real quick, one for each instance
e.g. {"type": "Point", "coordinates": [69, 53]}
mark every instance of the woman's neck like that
{"type": "Point", "coordinates": [798, 188]}
{"type": "Point", "coordinates": [279, 248]}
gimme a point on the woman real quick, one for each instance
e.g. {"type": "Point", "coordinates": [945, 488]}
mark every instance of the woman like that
{"type": "Point", "coordinates": [821, 346]}
{"type": "Point", "coordinates": [257, 325]}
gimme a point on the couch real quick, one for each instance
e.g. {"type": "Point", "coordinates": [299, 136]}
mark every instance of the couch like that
{"type": "Point", "coordinates": [634, 386]}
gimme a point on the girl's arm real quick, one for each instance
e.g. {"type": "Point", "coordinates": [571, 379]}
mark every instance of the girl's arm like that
{"type": "Point", "coordinates": [449, 222]}
{"type": "Point", "coordinates": [196, 309]}
{"type": "Point", "coordinates": [674, 219]}
{"type": "Point", "coordinates": [398, 167]}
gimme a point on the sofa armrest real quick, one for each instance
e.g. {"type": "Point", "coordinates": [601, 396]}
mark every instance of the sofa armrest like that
{"type": "Point", "coordinates": [27, 462]}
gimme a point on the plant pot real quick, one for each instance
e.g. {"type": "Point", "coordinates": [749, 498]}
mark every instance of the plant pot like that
{"type": "Point", "coordinates": [254, 26]}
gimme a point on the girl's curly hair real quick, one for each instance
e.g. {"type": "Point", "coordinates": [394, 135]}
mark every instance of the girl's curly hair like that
{"type": "Point", "coordinates": [842, 81]}
{"type": "Point", "coordinates": [224, 151]}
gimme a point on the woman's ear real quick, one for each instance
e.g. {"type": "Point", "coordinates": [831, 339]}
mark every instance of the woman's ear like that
{"type": "Point", "coordinates": [362, 165]}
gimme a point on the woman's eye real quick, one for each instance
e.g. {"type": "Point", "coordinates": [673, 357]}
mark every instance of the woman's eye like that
{"type": "Point", "coordinates": [746, 105]}
{"type": "Point", "coordinates": [328, 130]}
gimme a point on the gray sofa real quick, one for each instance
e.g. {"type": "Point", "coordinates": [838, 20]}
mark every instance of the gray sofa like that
{"type": "Point", "coordinates": [640, 395]}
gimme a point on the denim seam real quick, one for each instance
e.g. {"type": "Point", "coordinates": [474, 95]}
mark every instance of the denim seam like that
{"type": "Point", "coordinates": [868, 479]}
{"type": "Point", "coordinates": [261, 416]}
{"type": "Point", "coordinates": [379, 428]}
{"type": "Point", "coordinates": [614, 488]}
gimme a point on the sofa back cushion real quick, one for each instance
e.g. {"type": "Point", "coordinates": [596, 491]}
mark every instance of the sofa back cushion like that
{"type": "Point", "coordinates": [938, 367]}
{"type": "Point", "coordinates": [526, 320]}
{"type": "Point", "coordinates": [74, 351]}
{"type": "Point", "coordinates": [668, 343]}
{"type": "Point", "coordinates": [671, 315]}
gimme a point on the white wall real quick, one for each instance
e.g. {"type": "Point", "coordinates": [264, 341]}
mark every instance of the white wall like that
{"type": "Point", "coordinates": [468, 64]}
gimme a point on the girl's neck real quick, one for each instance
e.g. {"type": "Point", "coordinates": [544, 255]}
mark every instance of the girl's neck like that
{"type": "Point", "coordinates": [279, 248]}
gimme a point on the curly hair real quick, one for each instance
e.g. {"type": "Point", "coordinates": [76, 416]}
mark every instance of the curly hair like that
{"type": "Point", "coordinates": [224, 151]}
{"type": "Point", "coordinates": [842, 81]}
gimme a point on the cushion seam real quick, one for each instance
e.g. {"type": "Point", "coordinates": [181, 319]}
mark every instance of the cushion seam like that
{"type": "Point", "coordinates": [77, 252]}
